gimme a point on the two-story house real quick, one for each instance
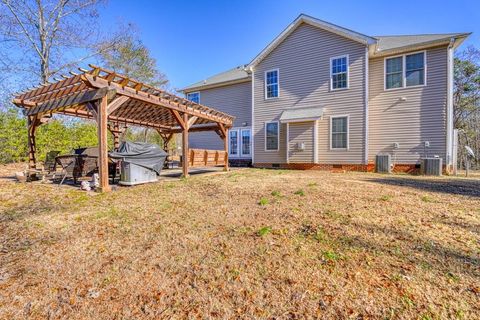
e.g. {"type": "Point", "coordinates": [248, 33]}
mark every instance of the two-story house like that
{"type": "Point", "coordinates": [323, 96]}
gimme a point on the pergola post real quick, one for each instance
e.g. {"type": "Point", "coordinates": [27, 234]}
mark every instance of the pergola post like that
{"type": "Point", "coordinates": [102, 128]}
{"type": "Point", "coordinates": [166, 140]}
{"type": "Point", "coordinates": [32, 148]}
{"type": "Point", "coordinates": [225, 146]}
{"type": "Point", "coordinates": [116, 136]}
{"type": "Point", "coordinates": [185, 151]}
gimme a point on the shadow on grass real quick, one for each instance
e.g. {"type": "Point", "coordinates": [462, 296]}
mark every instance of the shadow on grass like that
{"type": "Point", "coordinates": [419, 251]}
{"type": "Point", "coordinates": [450, 186]}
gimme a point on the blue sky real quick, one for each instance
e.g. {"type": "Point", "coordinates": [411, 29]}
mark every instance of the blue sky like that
{"type": "Point", "coordinates": [192, 40]}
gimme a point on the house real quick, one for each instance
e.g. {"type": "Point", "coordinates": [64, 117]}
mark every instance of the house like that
{"type": "Point", "coordinates": [321, 96]}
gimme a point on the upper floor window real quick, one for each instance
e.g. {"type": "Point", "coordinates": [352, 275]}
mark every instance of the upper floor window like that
{"type": "Point", "coordinates": [194, 97]}
{"type": "Point", "coordinates": [272, 133]}
{"type": "Point", "coordinates": [271, 84]}
{"type": "Point", "coordinates": [394, 73]}
{"type": "Point", "coordinates": [339, 132]}
{"type": "Point", "coordinates": [415, 69]}
{"type": "Point", "coordinates": [339, 72]}
{"type": "Point", "coordinates": [405, 71]}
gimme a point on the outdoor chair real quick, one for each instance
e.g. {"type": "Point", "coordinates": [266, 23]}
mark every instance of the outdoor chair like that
{"type": "Point", "coordinates": [77, 166]}
{"type": "Point", "coordinates": [83, 163]}
{"type": "Point", "coordinates": [50, 165]}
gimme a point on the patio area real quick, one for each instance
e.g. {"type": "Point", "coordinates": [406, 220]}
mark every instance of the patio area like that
{"type": "Point", "coordinates": [115, 102]}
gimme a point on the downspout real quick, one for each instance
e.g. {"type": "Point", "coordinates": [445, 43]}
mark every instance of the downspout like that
{"type": "Point", "coordinates": [366, 108]}
{"type": "Point", "coordinates": [253, 114]}
{"type": "Point", "coordinates": [449, 133]}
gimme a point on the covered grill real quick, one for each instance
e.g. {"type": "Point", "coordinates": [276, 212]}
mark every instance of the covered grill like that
{"type": "Point", "coordinates": [141, 162]}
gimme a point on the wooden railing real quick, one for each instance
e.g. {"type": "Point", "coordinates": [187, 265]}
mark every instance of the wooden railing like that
{"type": "Point", "coordinates": [207, 158]}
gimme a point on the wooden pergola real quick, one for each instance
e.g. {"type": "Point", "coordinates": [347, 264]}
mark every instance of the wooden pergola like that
{"type": "Point", "coordinates": [114, 100]}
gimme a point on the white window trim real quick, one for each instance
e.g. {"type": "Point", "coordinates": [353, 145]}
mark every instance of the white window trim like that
{"type": "Point", "coordinates": [348, 132]}
{"type": "Point", "coordinates": [198, 92]}
{"type": "Point", "coordinates": [278, 135]}
{"type": "Point", "coordinates": [229, 144]}
{"type": "Point", "coordinates": [404, 71]}
{"type": "Point", "coordinates": [240, 145]}
{"type": "Point", "coordinates": [265, 83]}
{"type": "Point", "coordinates": [348, 72]}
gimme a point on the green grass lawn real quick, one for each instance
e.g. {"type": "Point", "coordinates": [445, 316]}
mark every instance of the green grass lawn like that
{"type": "Point", "coordinates": [249, 243]}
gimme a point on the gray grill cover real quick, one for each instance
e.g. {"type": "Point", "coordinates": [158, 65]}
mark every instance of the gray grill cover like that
{"type": "Point", "coordinates": [143, 154]}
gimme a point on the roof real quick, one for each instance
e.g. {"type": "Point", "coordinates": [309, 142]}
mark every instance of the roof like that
{"type": "Point", "coordinates": [378, 46]}
{"type": "Point", "coordinates": [234, 75]}
{"type": "Point", "coordinates": [130, 102]}
{"type": "Point", "coordinates": [303, 18]}
{"type": "Point", "coordinates": [387, 44]}
{"type": "Point", "coordinates": [301, 114]}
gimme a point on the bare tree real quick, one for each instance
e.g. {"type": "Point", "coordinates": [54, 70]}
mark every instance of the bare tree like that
{"type": "Point", "coordinates": [466, 100]}
{"type": "Point", "coordinates": [132, 58]}
{"type": "Point", "coordinates": [42, 38]}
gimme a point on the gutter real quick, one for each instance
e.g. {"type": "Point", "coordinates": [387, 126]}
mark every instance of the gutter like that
{"type": "Point", "coordinates": [366, 115]}
{"type": "Point", "coordinates": [449, 133]}
{"type": "Point", "coordinates": [214, 85]}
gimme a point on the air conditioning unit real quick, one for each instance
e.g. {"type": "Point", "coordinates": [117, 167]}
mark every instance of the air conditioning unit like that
{"type": "Point", "coordinates": [431, 166]}
{"type": "Point", "coordinates": [383, 163]}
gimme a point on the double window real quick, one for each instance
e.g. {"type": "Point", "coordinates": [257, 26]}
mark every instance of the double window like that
{"type": "Point", "coordinates": [405, 71]}
{"type": "Point", "coordinates": [272, 134]}
{"type": "Point", "coordinates": [271, 84]}
{"type": "Point", "coordinates": [240, 142]}
{"type": "Point", "coordinates": [339, 132]}
{"type": "Point", "coordinates": [194, 97]}
{"type": "Point", "coordinates": [339, 72]}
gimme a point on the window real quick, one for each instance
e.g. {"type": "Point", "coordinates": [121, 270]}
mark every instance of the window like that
{"type": "Point", "coordinates": [194, 97]}
{"type": "Point", "coordinates": [271, 84]}
{"type": "Point", "coordinates": [233, 142]}
{"type": "Point", "coordinates": [246, 138]}
{"type": "Point", "coordinates": [271, 136]}
{"type": "Point", "coordinates": [339, 132]}
{"type": "Point", "coordinates": [405, 71]}
{"type": "Point", "coordinates": [394, 73]}
{"type": "Point", "coordinates": [415, 69]}
{"type": "Point", "coordinates": [339, 72]}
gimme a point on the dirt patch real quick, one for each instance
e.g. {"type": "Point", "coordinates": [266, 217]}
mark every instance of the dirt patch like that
{"type": "Point", "coordinates": [245, 244]}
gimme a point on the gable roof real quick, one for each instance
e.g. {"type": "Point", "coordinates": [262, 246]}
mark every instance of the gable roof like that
{"type": "Point", "coordinates": [392, 44]}
{"type": "Point", "coordinates": [235, 75]}
{"type": "Point", "coordinates": [378, 46]}
{"type": "Point", "coordinates": [303, 18]}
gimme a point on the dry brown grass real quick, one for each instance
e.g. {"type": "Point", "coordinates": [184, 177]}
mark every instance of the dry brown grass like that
{"type": "Point", "coordinates": [249, 244]}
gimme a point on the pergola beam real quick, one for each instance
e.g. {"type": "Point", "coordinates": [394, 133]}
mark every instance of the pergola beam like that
{"type": "Point", "coordinates": [117, 103]}
{"type": "Point", "coordinates": [180, 120]}
{"type": "Point", "coordinates": [98, 82]}
{"type": "Point", "coordinates": [73, 99]}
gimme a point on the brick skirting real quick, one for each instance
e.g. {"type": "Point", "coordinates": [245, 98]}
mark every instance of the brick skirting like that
{"type": "Point", "coordinates": [406, 168]}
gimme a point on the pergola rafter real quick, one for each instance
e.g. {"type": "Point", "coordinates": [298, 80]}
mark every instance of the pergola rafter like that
{"type": "Point", "coordinates": [109, 97]}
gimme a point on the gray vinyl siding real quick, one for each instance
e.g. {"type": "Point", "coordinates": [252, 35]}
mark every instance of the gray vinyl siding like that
{"type": "Point", "coordinates": [303, 60]}
{"type": "Point", "coordinates": [422, 117]}
{"type": "Point", "coordinates": [299, 132]}
{"type": "Point", "coordinates": [234, 99]}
